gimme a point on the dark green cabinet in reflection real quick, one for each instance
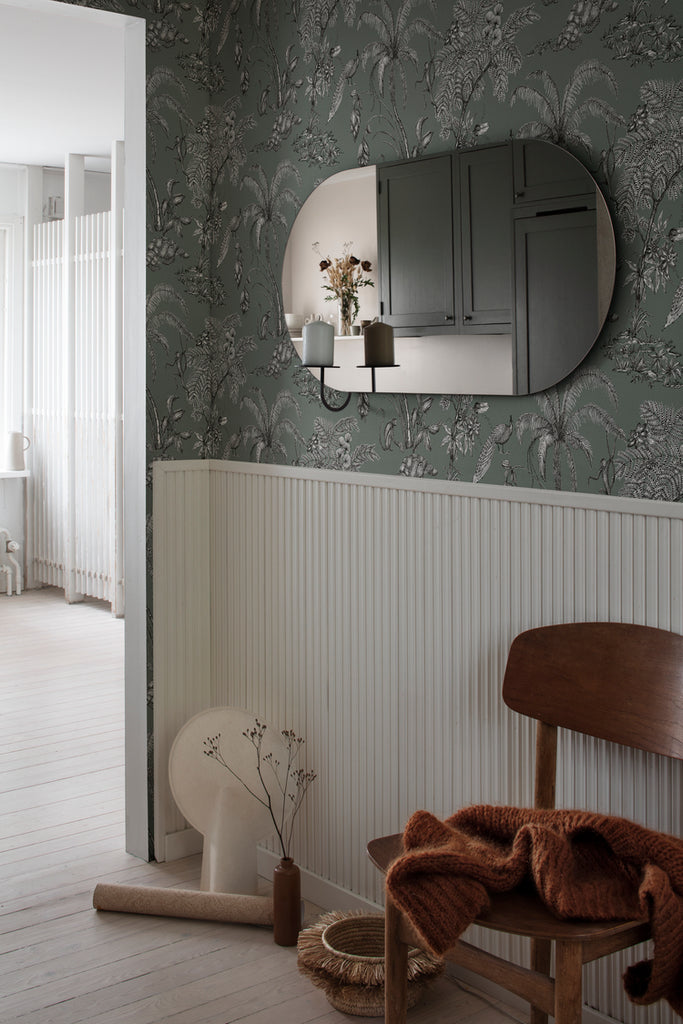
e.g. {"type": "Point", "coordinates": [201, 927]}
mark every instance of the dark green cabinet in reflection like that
{"type": "Point", "coordinates": [444, 243]}
{"type": "Point", "coordinates": [543, 172]}
{"type": "Point", "coordinates": [501, 239]}
{"type": "Point", "coordinates": [556, 295]}
{"type": "Point", "coordinates": [415, 244]}
{"type": "Point", "coordinates": [485, 230]}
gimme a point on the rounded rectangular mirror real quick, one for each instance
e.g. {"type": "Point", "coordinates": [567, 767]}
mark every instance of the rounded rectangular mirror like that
{"type": "Point", "coordinates": [495, 267]}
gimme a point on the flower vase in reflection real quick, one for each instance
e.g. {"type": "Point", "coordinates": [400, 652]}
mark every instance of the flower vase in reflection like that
{"type": "Point", "coordinates": [345, 275]}
{"type": "Point", "coordinates": [345, 317]}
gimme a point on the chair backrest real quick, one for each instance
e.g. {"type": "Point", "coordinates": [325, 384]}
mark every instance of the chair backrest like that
{"type": "Point", "coordinates": [612, 680]}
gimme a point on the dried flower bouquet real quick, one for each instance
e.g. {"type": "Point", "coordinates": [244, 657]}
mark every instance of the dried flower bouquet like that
{"type": "Point", "coordinates": [345, 276]}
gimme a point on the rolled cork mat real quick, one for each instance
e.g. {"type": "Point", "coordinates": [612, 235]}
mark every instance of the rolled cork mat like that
{"type": "Point", "coordinates": [206, 906]}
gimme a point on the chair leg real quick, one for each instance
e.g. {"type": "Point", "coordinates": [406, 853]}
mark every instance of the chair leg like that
{"type": "Point", "coordinates": [541, 951]}
{"type": "Point", "coordinates": [395, 967]}
{"type": "Point", "coordinates": [568, 992]}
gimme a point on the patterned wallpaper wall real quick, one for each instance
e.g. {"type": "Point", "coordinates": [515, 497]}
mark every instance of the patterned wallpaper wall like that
{"type": "Point", "coordinates": [252, 102]}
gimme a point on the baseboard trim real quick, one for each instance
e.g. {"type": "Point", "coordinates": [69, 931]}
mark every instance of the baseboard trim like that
{"type": "Point", "coordinates": [186, 843]}
{"type": "Point", "coordinates": [315, 889]}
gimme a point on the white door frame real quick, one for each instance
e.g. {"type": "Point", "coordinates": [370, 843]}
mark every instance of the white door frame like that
{"type": "Point", "coordinates": [134, 448]}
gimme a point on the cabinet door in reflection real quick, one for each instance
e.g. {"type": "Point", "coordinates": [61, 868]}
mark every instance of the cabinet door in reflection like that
{"type": "Point", "coordinates": [556, 286]}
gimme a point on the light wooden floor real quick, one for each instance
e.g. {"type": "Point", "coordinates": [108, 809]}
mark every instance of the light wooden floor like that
{"type": "Point", "coordinates": [62, 831]}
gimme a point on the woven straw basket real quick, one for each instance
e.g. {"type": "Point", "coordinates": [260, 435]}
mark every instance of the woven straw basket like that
{"type": "Point", "coordinates": [343, 953]}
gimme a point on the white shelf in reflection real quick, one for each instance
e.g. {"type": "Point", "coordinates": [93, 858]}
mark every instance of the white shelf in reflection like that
{"type": "Point", "coordinates": [480, 363]}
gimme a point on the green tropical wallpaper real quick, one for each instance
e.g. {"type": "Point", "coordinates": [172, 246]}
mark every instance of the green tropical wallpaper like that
{"type": "Point", "coordinates": [251, 103]}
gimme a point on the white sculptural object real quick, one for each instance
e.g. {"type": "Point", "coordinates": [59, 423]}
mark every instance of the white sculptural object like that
{"type": "Point", "coordinates": [216, 802]}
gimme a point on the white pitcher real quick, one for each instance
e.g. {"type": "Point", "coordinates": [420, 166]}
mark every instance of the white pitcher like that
{"type": "Point", "coordinates": [16, 445]}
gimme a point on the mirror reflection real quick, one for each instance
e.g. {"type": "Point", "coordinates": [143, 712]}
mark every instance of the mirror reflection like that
{"type": "Point", "coordinates": [495, 267]}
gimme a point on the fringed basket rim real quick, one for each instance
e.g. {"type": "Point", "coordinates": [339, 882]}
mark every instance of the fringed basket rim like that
{"type": "Point", "coordinates": [324, 963]}
{"type": "Point", "coordinates": [343, 938]}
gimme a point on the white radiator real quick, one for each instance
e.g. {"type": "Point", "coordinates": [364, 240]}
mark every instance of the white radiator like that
{"type": "Point", "coordinates": [373, 615]}
{"type": "Point", "coordinates": [74, 412]}
{"type": "Point", "coordinates": [94, 411]}
{"type": "Point", "coordinates": [48, 411]}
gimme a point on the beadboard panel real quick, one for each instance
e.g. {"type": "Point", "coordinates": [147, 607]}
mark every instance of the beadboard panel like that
{"type": "Point", "coordinates": [373, 616]}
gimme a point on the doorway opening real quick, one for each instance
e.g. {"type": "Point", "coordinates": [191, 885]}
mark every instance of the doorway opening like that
{"type": "Point", "coordinates": [75, 79]}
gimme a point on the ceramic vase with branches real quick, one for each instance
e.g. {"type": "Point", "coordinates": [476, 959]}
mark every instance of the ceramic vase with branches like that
{"type": "Point", "coordinates": [282, 788]}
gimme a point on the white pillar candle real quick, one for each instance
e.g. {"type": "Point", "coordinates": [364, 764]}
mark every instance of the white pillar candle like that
{"type": "Point", "coordinates": [318, 344]}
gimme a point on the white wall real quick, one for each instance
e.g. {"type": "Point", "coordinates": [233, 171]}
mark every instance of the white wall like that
{"type": "Point", "coordinates": [61, 74]}
{"type": "Point", "coordinates": [340, 210]}
{"type": "Point", "coordinates": [97, 189]}
{"type": "Point", "coordinates": [12, 189]}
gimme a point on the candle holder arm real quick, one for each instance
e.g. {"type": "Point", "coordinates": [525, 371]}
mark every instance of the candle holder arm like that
{"type": "Point", "coordinates": [372, 368]}
{"type": "Point", "coordinates": [332, 408]}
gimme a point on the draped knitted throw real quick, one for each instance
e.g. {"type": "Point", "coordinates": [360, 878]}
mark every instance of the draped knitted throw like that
{"type": "Point", "coordinates": [586, 866]}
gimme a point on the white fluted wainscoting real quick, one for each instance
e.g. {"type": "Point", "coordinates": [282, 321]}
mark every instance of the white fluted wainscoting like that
{"type": "Point", "coordinates": [373, 615]}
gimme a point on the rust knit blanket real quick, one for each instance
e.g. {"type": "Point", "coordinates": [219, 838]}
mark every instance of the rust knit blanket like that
{"type": "Point", "coordinates": [583, 865]}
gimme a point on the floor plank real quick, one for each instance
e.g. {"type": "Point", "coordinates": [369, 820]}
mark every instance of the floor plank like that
{"type": "Point", "coordinates": [62, 825]}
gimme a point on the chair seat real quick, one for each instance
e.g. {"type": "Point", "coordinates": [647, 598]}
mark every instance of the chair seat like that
{"type": "Point", "coordinates": [521, 912]}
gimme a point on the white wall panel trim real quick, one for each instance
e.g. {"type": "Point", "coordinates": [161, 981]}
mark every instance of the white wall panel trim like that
{"type": "Point", "coordinates": [532, 495]}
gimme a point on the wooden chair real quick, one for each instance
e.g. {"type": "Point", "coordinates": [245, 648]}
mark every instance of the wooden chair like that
{"type": "Point", "coordinates": [618, 682]}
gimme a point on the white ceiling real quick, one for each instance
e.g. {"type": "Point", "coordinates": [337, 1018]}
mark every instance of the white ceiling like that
{"type": "Point", "coordinates": [61, 82]}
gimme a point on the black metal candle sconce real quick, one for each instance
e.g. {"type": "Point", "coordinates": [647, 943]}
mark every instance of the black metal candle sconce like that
{"type": "Point", "coordinates": [360, 366]}
{"type": "Point", "coordinates": [378, 340]}
{"type": "Point", "coordinates": [332, 408]}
